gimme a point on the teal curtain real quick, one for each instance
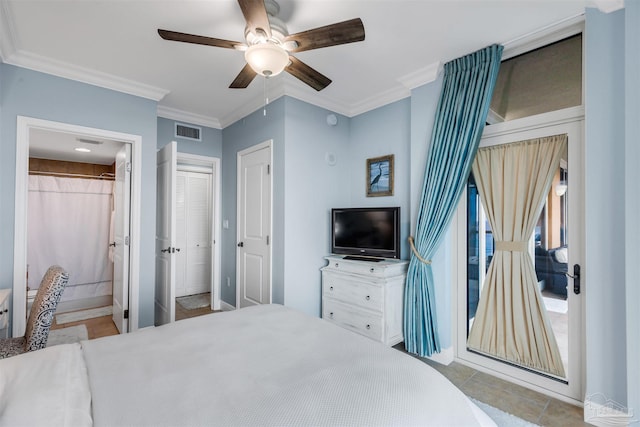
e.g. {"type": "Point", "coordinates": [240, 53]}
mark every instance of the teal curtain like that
{"type": "Point", "coordinates": [460, 118]}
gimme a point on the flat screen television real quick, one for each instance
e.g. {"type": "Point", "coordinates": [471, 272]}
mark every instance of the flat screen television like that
{"type": "Point", "coordinates": [366, 233]}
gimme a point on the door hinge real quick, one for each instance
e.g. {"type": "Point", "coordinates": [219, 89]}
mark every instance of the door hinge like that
{"type": "Point", "coordinates": [267, 240]}
{"type": "Point", "coordinates": [268, 169]}
{"type": "Point", "coordinates": [128, 167]}
{"type": "Point", "coordinates": [126, 314]}
{"type": "Point", "coordinates": [126, 240]}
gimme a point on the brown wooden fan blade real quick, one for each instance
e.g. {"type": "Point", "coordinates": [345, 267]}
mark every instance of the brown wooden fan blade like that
{"type": "Point", "coordinates": [307, 74]}
{"type": "Point", "coordinates": [330, 35]}
{"type": "Point", "coordinates": [256, 15]}
{"type": "Point", "coordinates": [243, 79]}
{"type": "Point", "coordinates": [191, 38]}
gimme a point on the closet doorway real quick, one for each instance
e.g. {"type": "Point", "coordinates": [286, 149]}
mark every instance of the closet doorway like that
{"type": "Point", "coordinates": [52, 175]}
{"type": "Point", "coordinates": [187, 232]}
{"type": "Point", "coordinates": [193, 230]}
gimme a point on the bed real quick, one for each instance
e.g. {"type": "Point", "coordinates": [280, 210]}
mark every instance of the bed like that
{"type": "Point", "coordinates": [258, 366]}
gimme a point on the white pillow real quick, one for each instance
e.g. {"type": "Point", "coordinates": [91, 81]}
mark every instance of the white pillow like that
{"type": "Point", "coordinates": [561, 255]}
{"type": "Point", "coordinates": [47, 387]}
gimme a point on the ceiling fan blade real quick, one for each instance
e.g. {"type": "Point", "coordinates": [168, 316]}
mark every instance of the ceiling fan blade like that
{"type": "Point", "coordinates": [255, 14]}
{"type": "Point", "coordinates": [308, 75]}
{"type": "Point", "coordinates": [191, 38]}
{"type": "Point", "coordinates": [330, 35]}
{"type": "Point", "coordinates": [243, 79]}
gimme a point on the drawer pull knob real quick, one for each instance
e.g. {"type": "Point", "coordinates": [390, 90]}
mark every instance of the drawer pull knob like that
{"type": "Point", "coordinates": [331, 315]}
{"type": "Point", "coordinates": [331, 288]}
{"type": "Point", "coordinates": [368, 326]}
{"type": "Point", "coordinates": [372, 269]}
{"type": "Point", "coordinates": [336, 265]}
{"type": "Point", "coordinates": [368, 298]}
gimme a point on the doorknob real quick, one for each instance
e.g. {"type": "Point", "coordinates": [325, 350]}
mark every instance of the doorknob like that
{"type": "Point", "coordinates": [166, 250]}
{"type": "Point", "coordinates": [112, 244]}
{"type": "Point", "coordinates": [241, 245]}
{"type": "Point", "coordinates": [576, 278]}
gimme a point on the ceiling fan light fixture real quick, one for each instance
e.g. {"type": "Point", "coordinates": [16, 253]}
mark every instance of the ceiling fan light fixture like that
{"type": "Point", "coordinates": [266, 59]}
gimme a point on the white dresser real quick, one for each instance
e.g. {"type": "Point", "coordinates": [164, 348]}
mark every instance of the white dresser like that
{"type": "Point", "coordinates": [365, 297]}
{"type": "Point", "coordinates": [4, 312]}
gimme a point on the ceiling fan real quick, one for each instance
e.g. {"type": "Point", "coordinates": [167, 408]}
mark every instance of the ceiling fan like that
{"type": "Point", "coordinates": [269, 45]}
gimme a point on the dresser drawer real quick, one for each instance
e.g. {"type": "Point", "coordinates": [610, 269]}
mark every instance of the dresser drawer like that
{"type": "Point", "coordinates": [353, 291]}
{"type": "Point", "coordinates": [381, 269]}
{"type": "Point", "coordinates": [350, 317]}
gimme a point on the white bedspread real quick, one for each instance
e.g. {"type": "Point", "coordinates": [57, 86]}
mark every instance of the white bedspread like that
{"type": "Point", "coordinates": [47, 387]}
{"type": "Point", "coordinates": [265, 366]}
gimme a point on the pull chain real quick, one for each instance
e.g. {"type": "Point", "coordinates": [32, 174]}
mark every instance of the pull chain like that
{"type": "Point", "coordinates": [266, 99]}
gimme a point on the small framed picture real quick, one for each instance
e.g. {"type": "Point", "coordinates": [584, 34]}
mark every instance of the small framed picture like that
{"type": "Point", "coordinates": [380, 176]}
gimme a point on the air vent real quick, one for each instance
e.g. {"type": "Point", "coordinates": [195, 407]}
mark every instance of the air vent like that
{"type": "Point", "coordinates": [188, 132]}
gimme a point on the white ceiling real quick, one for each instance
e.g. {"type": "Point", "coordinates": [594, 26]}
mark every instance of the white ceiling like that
{"type": "Point", "coordinates": [115, 44]}
{"type": "Point", "coordinates": [46, 144]}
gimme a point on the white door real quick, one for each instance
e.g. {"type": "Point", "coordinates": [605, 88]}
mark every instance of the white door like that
{"type": "Point", "coordinates": [253, 283]}
{"type": "Point", "coordinates": [165, 235]}
{"type": "Point", "coordinates": [193, 233]}
{"type": "Point", "coordinates": [555, 247]}
{"type": "Point", "coordinates": [122, 199]}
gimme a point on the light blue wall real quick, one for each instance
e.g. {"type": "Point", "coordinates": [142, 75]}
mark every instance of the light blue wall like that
{"type": "Point", "coordinates": [604, 268]}
{"type": "Point", "coordinates": [210, 146]}
{"type": "Point", "coordinates": [252, 130]}
{"type": "Point", "coordinates": [632, 197]}
{"type": "Point", "coordinates": [33, 94]}
{"type": "Point", "coordinates": [312, 188]}
{"type": "Point", "coordinates": [385, 130]}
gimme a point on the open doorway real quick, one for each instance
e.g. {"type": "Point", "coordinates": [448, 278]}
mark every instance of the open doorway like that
{"type": "Point", "coordinates": [70, 211]}
{"type": "Point", "coordinates": [187, 235]}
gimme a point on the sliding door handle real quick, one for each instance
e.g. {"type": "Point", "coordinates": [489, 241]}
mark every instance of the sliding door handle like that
{"type": "Point", "coordinates": [576, 278]}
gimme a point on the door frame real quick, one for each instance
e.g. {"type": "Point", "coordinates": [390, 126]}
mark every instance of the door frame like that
{"type": "Point", "coordinates": [24, 125]}
{"type": "Point", "coordinates": [186, 159]}
{"type": "Point", "coordinates": [569, 121]}
{"type": "Point", "coordinates": [260, 146]}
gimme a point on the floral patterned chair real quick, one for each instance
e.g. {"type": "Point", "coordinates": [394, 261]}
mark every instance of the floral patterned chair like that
{"type": "Point", "coordinates": [41, 315]}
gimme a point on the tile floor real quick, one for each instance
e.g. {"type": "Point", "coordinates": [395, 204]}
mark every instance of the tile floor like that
{"type": "Point", "coordinates": [527, 404]}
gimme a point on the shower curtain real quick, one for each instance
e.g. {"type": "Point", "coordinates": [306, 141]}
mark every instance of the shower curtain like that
{"type": "Point", "coordinates": [69, 225]}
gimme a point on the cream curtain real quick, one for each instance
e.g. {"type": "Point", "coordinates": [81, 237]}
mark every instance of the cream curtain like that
{"type": "Point", "coordinates": [511, 322]}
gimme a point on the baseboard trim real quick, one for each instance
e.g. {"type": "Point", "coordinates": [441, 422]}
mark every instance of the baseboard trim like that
{"type": "Point", "coordinates": [84, 303]}
{"type": "Point", "coordinates": [603, 412]}
{"type": "Point", "coordinates": [445, 357]}
{"type": "Point", "coordinates": [225, 306]}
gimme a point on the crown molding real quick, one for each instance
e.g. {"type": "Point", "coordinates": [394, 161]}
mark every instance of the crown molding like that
{"type": "Point", "coordinates": [543, 36]}
{"type": "Point", "coordinates": [293, 90]}
{"type": "Point", "coordinates": [11, 54]}
{"type": "Point", "coordinates": [305, 94]}
{"type": "Point", "coordinates": [380, 100]}
{"type": "Point", "coordinates": [187, 117]}
{"type": "Point", "coordinates": [85, 75]}
{"type": "Point", "coordinates": [274, 92]}
{"type": "Point", "coordinates": [607, 6]}
{"type": "Point", "coordinates": [422, 76]}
